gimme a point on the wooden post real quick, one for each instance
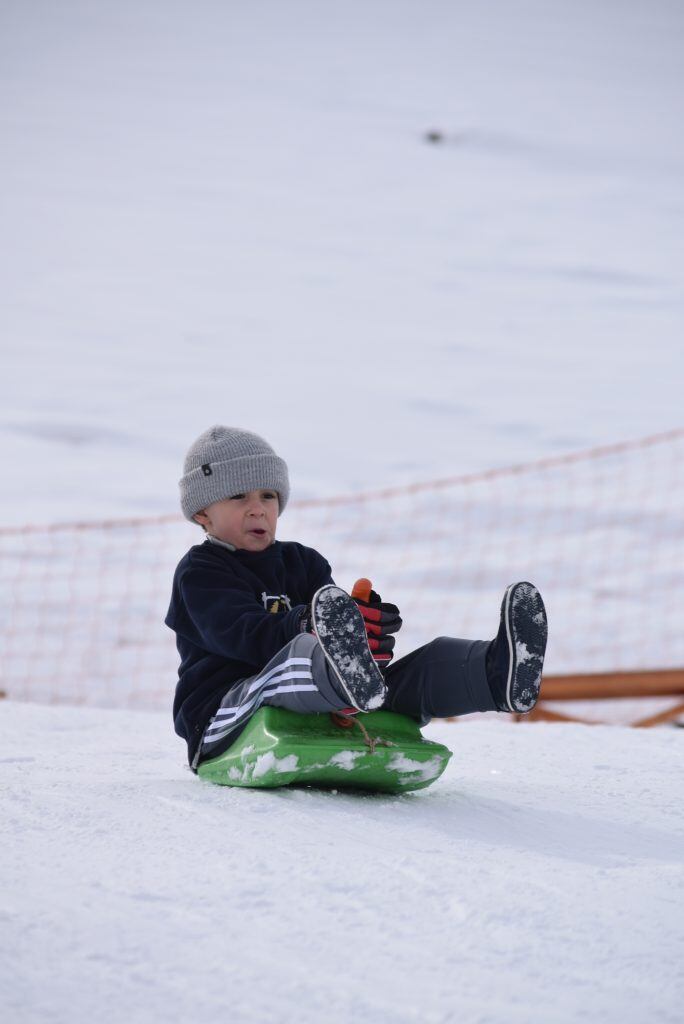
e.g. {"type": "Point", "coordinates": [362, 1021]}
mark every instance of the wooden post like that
{"type": "Point", "coordinates": [608, 686]}
{"type": "Point", "coordinates": [603, 685]}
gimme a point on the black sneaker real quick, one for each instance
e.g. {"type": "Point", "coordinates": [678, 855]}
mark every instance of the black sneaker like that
{"type": "Point", "coordinates": [516, 655]}
{"type": "Point", "coordinates": [340, 630]}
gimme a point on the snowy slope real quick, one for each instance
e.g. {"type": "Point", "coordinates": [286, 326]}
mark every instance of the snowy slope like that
{"type": "Point", "coordinates": [222, 212]}
{"type": "Point", "coordinates": [539, 880]}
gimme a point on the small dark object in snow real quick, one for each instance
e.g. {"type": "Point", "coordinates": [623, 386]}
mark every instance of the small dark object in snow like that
{"type": "Point", "coordinates": [434, 136]}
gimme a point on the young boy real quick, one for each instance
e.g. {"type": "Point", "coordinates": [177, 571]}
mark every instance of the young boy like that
{"type": "Point", "coordinates": [260, 621]}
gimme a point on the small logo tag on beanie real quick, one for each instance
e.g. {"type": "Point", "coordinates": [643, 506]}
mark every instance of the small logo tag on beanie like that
{"type": "Point", "coordinates": [206, 469]}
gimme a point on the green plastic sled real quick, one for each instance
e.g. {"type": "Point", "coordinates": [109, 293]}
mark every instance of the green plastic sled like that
{"type": "Point", "coordinates": [382, 751]}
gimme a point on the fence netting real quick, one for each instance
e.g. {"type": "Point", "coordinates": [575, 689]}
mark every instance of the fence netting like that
{"type": "Point", "coordinates": [600, 533]}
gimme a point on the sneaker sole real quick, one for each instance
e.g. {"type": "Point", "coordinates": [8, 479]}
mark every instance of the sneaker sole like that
{"type": "Point", "coordinates": [526, 630]}
{"type": "Point", "coordinates": [339, 628]}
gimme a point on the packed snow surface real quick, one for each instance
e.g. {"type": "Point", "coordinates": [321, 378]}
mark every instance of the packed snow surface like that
{"type": "Point", "coordinates": [540, 879]}
{"type": "Point", "coordinates": [231, 213]}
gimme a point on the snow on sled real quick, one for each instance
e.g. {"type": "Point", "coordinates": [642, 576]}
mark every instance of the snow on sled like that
{"type": "Point", "coordinates": [380, 751]}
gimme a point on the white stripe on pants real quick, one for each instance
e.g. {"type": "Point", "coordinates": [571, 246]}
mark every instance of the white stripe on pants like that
{"type": "Point", "coordinates": [296, 678]}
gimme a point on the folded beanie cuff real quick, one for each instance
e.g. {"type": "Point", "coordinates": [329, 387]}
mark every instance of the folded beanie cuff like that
{"type": "Point", "coordinates": [215, 481]}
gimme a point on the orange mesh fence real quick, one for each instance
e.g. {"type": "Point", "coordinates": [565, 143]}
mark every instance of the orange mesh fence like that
{"type": "Point", "coordinates": [600, 532]}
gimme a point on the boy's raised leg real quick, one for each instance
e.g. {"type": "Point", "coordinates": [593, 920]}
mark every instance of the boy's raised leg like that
{"type": "Point", "coordinates": [339, 628]}
{"type": "Point", "coordinates": [450, 676]}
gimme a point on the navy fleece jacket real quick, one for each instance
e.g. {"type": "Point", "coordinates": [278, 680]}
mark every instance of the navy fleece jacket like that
{"type": "Point", "coordinates": [231, 612]}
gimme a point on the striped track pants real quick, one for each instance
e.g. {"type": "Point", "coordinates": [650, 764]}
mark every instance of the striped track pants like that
{"type": "Point", "coordinates": [296, 678]}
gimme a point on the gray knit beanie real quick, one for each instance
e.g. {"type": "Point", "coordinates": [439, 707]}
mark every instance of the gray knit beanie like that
{"type": "Point", "coordinates": [225, 461]}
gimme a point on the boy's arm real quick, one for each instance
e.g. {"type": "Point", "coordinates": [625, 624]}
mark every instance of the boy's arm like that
{"type": "Point", "coordinates": [225, 618]}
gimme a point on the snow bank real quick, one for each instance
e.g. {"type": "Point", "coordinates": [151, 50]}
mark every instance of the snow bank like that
{"type": "Point", "coordinates": [538, 880]}
{"type": "Point", "coordinates": [230, 213]}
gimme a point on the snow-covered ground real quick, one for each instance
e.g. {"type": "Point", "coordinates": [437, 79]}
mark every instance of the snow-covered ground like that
{"type": "Point", "coordinates": [539, 880]}
{"type": "Point", "coordinates": [223, 212]}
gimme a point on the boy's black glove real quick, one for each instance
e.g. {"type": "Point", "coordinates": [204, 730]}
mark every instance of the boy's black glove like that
{"type": "Point", "coordinates": [381, 621]}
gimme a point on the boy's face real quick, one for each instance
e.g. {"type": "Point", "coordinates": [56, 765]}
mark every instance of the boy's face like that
{"type": "Point", "coordinates": [247, 521]}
